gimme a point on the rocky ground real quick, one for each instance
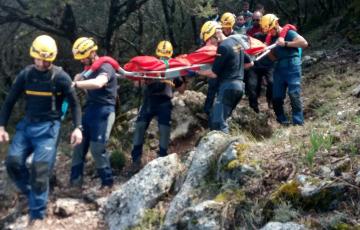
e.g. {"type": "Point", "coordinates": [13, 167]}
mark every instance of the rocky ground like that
{"type": "Point", "coordinates": [263, 175]}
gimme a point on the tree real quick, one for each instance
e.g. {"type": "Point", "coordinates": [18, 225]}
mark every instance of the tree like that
{"type": "Point", "coordinates": [69, 19]}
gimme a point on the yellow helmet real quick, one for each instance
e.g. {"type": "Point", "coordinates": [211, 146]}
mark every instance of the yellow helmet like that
{"type": "Point", "coordinates": [208, 30]}
{"type": "Point", "coordinates": [83, 47]}
{"type": "Point", "coordinates": [44, 48]}
{"type": "Point", "coordinates": [164, 49]}
{"type": "Point", "coordinates": [268, 22]}
{"type": "Point", "coordinates": [227, 20]}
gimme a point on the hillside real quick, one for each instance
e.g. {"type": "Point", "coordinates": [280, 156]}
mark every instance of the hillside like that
{"type": "Point", "coordinates": [308, 175]}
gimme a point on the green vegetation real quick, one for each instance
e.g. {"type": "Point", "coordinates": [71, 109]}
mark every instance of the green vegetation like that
{"type": "Point", "coordinates": [117, 160]}
{"type": "Point", "coordinates": [289, 191]}
{"type": "Point", "coordinates": [152, 220]}
{"type": "Point", "coordinates": [317, 141]}
{"type": "Point", "coordinates": [234, 195]}
{"type": "Point", "coordinates": [285, 213]}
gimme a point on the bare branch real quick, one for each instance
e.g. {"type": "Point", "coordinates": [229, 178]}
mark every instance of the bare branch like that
{"type": "Point", "coordinates": [132, 44]}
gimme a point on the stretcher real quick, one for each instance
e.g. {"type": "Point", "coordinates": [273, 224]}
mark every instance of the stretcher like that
{"type": "Point", "coordinates": [149, 67]}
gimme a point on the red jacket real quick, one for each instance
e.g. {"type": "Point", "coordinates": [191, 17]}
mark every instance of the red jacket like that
{"type": "Point", "coordinates": [253, 31]}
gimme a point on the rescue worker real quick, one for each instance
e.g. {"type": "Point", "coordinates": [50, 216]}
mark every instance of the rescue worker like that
{"type": "Point", "coordinates": [99, 114]}
{"type": "Point", "coordinates": [228, 68]}
{"type": "Point", "coordinates": [45, 87]}
{"type": "Point", "coordinates": [227, 21]}
{"type": "Point", "coordinates": [156, 103]}
{"type": "Point", "coordinates": [287, 72]}
{"type": "Point", "coordinates": [262, 69]}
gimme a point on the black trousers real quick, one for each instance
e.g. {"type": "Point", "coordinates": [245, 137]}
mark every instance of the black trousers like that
{"type": "Point", "coordinates": [253, 80]}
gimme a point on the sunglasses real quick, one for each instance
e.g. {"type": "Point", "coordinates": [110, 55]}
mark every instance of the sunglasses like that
{"type": "Point", "coordinates": [256, 20]}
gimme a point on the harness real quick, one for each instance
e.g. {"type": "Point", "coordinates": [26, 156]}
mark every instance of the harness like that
{"type": "Point", "coordinates": [55, 70]}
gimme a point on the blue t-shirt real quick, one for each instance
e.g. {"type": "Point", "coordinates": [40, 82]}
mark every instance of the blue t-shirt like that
{"type": "Point", "coordinates": [228, 63]}
{"type": "Point", "coordinates": [282, 53]}
{"type": "Point", "coordinates": [107, 94]}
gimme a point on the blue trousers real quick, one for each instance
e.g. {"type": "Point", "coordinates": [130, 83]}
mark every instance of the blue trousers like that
{"type": "Point", "coordinates": [39, 138]}
{"type": "Point", "coordinates": [97, 123]}
{"type": "Point", "coordinates": [288, 78]}
{"type": "Point", "coordinates": [151, 108]}
{"type": "Point", "coordinates": [213, 86]}
{"type": "Point", "coordinates": [229, 95]}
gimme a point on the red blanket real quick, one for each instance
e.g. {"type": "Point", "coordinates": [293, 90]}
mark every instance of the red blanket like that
{"type": "Point", "coordinates": [205, 54]}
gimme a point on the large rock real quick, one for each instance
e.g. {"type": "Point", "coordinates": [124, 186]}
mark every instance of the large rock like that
{"type": "Point", "coordinates": [208, 151]}
{"type": "Point", "coordinates": [186, 106]}
{"type": "Point", "coordinates": [309, 193]}
{"type": "Point", "coordinates": [283, 226]}
{"type": "Point", "coordinates": [193, 100]}
{"type": "Point", "coordinates": [320, 194]}
{"type": "Point", "coordinates": [204, 216]}
{"type": "Point", "coordinates": [186, 165]}
{"type": "Point", "coordinates": [126, 207]}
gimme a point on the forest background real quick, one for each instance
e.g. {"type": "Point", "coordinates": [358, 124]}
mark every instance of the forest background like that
{"type": "Point", "coordinates": [124, 29]}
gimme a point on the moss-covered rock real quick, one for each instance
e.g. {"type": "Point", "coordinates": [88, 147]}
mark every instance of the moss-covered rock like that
{"type": "Point", "coordinates": [306, 193]}
{"type": "Point", "coordinates": [234, 165]}
{"type": "Point", "coordinates": [206, 216]}
{"type": "Point", "coordinates": [289, 191]}
{"type": "Point", "coordinates": [152, 219]}
{"type": "Point", "coordinates": [240, 159]}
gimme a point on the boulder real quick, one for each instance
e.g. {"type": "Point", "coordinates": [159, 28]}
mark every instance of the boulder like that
{"type": "Point", "coordinates": [204, 216]}
{"type": "Point", "coordinates": [186, 106]}
{"type": "Point", "coordinates": [309, 193]}
{"type": "Point", "coordinates": [232, 164]}
{"type": "Point", "coordinates": [126, 207]}
{"type": "Point", "coordinates": [208, 151]}
{"type": "Point", "coordinates": [283, 226]}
